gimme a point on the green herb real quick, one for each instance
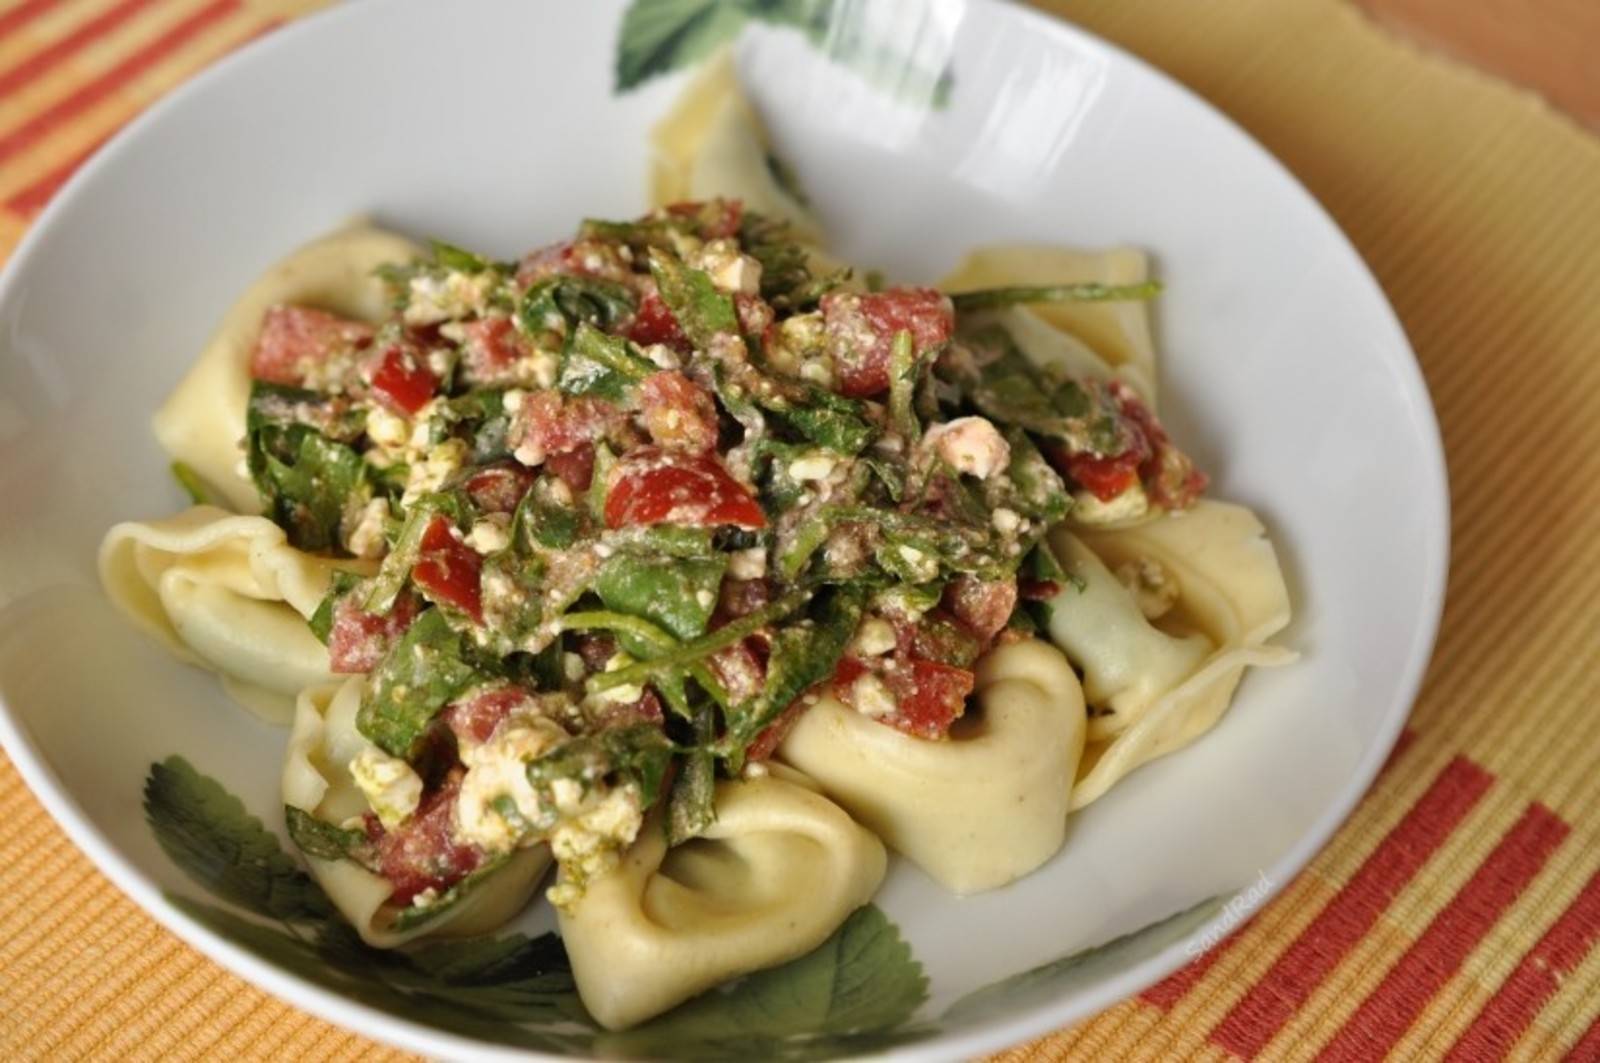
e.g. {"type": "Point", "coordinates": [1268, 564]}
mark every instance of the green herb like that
{"type": "Point", "coordinates": [597, 364]}
{"type": "Point", "coordinates": [691, 807]}
{"type": "Point", "coordinates": [321, 622]}
{"type": "Point", "coordinates": [305, 479]}
{"type": "Point", "coordinates": [1087, 292]}
{"type": "Point", "coordinates": [692, 652]}
{"type": "Point", "coordinates": [454, 258]}
{"type": "Point", "coordinates": [191, 483]}
{"type": "Point", "coordinates": [395, 571]}
{"type": "Point", "coordinates": [826, 419]}
{"type": "Point", "coordinates": [902, 386]}
{"type": "Point", "coordinates": [207, 832]}
{"type": "Point", "coordinates": [319, 839]}
{"type": "Point", "coordinates": [638, 754]}
{"type": "Point", "coordinates": [542, 521]}
{"type": "Point", "coordinates": [422, 672]}
{"type": "Point", "coordinates": [679, 595]}
{"type": "Point", "coordinates": [563, 302]}
{"type": "Point", "coordinates": [701, 309]}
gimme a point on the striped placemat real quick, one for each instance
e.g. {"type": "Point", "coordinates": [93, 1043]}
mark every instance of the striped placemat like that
{"type": "Point", "coordinates": [1457, 913]}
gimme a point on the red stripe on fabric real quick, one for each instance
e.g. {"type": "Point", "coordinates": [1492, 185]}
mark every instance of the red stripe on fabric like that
{"type": "Point", "coordinates": [1166, 993]}
{"type": "Point", "coordinates": [1587, 1050]}
{"type": "Point", "coordinates": [1323, 944]}
{"type": "Point", "coordinates": [53, 53]}
{"type": "Point", "coordinates": [22, 14]}
{"type": "Point", "coordinates": [112, 80]}
{"type": "Point", "coordinates": [1434, 958]}
{"type": "Point", "coordinates": [1538, 975]}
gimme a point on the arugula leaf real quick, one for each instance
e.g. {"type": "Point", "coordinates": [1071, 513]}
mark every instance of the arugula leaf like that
{"type": "Point", "coordinates": [828, 420]}
{"type": "Point", "coordinates": [902, 386]}
{"type": "Point", "coordinates": [701, 308]}
{"type": "Point", "coordinates": [321, 622]}
{"type": "Point", "coordinates": [691, 808]}
{"type": "Point", "coordinates": [659, 36]}
{"type": "Point", "coordinates": [207, 832]}
{"type": "Point", "coordinates": [1086, 292]}
{"type": "Point", "coordinates": [540, 520]}
{"type": "Point", "coordinates": [846, 996]}
{"type": "Point", "coordinates": [563, 301]}
{"type": "Point", "coordinates": [597, 364]}
{"type": "Point", "coordinates": [305, 480]}
{"type": "Point", "coordinates": [191, 483]}
{"type": "Point", "coordinates": [1013, 391]}
{"type": "Point", "coordinates": [1040, 492]}
{"type": "Point", "coordinates": [637, 754]}
{"type": "Point", "coordinates": [421, 673]}
{"type": "Point", "coordinates": [679, 595]}
{"type": "Point", "coordinates": [459, 259]}
{"type": "Point", "coordinates": [319, 839]}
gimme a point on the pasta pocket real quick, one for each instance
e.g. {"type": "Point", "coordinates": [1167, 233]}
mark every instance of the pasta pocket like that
{"type": "Point", "coordinates": [318, 781]}
{"type": "Point", "coordinates": [202, 423]}
{"type": "Point", "coordinates": [1168, 616]}
{"type": "Point", "coordinates": [1115, 332]}
{"type": "Point", "coordinates": [976, 811]}
{"type": "Point", "coordinates": [228, 593]}
{"type": "Point", "coordinates": [779, 871]}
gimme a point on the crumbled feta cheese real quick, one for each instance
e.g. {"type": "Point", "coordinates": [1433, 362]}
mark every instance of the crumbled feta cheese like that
{"type": "Point", "coordinates": [704, 598]}
{"type": "Point", "coordinates": [429, 474]}
{"type": "Point", "coordinates": [872, 697]}
{"type": "Point", "coordinates": [662, 356]}
{"type": "Point", "coordinates": [1005, 521]}
{"type": "Point", "coordinates": [873, 638]}
{"type": "Point", "coordinates": [491, 534]}
{"type": "Point", "coordinates": [498, 769]}
{"type": "Point", "coordinates": [572, 666]}
{"type": "Point", "coordinates": [586, 843]}
{"type": "Point", "coordinates": [1129, 505]}
{"type": "Point", "coordinates": [391, 787]}
{"type": "Point", "coordinates": [923, 565]}
{"type": "Point", "coordinates": [387, 429]}
{"type": "Point", "coordinates": [529, 453]}
{"type": "Point", "coordinates": [511, 399]}
{"type": "Point", "coordinates": [729, 270]}
{"type": "Point", "coordinates": [425, 898]}
{"type": "Point", "coordinates": [438, 298]}
{"type": "Point", "coordinates": [970, 445]}
{"type": "Point", "coordinates": [816, 371]}
{"type": "Point", "coordinates": [814, 465]}
{"type": "Point", "coordinates": [366, 538]}
{"type": "Point", "coordinates": [748, 564]}
{"type": "Point", "coordinates": [755, 769]}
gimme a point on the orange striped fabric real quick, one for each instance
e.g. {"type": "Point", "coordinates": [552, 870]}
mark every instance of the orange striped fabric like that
{"type": "Point", "coordinates": [1457, 914]}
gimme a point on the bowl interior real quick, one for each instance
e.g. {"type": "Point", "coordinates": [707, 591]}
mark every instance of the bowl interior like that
{"type": "Point", "coordinates": [1284, 372]}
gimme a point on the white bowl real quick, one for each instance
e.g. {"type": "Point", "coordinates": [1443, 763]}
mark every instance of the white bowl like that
{"type": "Point", "coordinates": [1285, 373]}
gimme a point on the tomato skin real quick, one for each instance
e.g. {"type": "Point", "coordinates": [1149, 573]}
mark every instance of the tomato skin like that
{"type": "Point", "coordinates": [1170, 476]}
{"type": "Point", "coordinates": [401, 382]}
{"type": "Point", "coordinates": [935, 696]}
{"type": "Point", "coordinates": [295, 339]}
{"type": "Point", "coordinates": [499, 488]}
{"type": "Point", "coordinates": [861, 327]}
{"type": "Point", "coordinates": [358, 639]}
{"type": "Point", "coordinates": [575, 467]}
{"type": "Point", "coordinates": [422, 853]}
{"type": "Point", "coordinates": [654, 323]}
{"type": "Point", "coordinates": [678, 413]}
{"type": "Point", "coordinates": [449, 571]}
{"type": "Point", "coordinates": [550, 423]}
{"type": "Point", "coordinates": [653, 486]}
{"type": "Point", "coordinates": [492, 349]}
{"type": "Point", "coordinates": [984, 606]}
{"type": "Point", "coordinates": [474, 716]}
{"type": "Point", "coordinates": [1106, 478]}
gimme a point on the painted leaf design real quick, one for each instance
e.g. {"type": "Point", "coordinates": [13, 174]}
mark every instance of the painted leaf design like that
{"type": "Point", "coordinates": [659, 36]}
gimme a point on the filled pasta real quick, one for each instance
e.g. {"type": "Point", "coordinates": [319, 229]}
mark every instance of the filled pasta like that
{"type": "Point", "coordinates": [203, 421]}
{"type": "Point", "coordinates": [318, 781]}
{"type": "Point", "coordinates": [1211, 579]}
{"type": "Point", "coordinates": [769, 880]}
{"type": "Point", "coordinates": [979, 810]}
{"type": "Point", "coordinates": [227, 593]}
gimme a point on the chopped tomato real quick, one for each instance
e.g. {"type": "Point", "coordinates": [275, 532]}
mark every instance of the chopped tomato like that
{"type": "Point", "coordinates": [575, 467]}
{"type": "Point", "coordinates": [861, 327]}
{"type": "Point", "coordinates": [492, 349]}
{"type": "Point", "coordinates": [357, 640]}
{"type": "Point", "coordinates": [739, 669]}
{"type": "Point", "coordinates": [646, 708]}
{"type": "Point", "coordinates": [422, 853]}
{"type": "Point", "coordinates": [678, 413]}
{"type": "Point", "coordinates": [655, 323]}
{"type": "Point", "coordinates": [982, 605]}
{"type": "Point", "coordinates": [938, 635]}
{"type": "Point", "coordinates": [499, 488]}
{"type": "Point", "coordinates": [1169, 473]}
{"type": "Point", "coordinates": [1037, 590]}
{"type": "Point", "coordinates": [449, 570]}
{"type": "Point", "coordinates": [1106, 478]}
{"type": "Point", "coordinates": [402, 382]}
{"type": "Point", "coordinates": [931, 697]}
{"type": "Point", "coordinates": [715, 219]}
{"type": "Point", "coordinates": [295, 340]}
{"type": "Point", "coordinates": [574, 258]}
{"type": "Point", "coordinates": [740, 597]}
{"type": "Point", "coordinates": [474, 716]}
{"type": "Point", "coordinates": [653, 486]}
{"type": "Point", "coordinates": [549, 423]}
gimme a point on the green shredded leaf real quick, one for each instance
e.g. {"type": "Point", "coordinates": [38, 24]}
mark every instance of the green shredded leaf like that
{"type": "Point", "coordinates": [701, 308]}
{"type": "Point", "coordinates": [319, 839]}
{"type": "Point", "coordinates": [601, 365]}
{"type": "Point", "coordinates": [659, 36]}
{"type": "Point", "coordinates": [1086, 292]}
{"type": "Point", "coordinates": [421, 673]}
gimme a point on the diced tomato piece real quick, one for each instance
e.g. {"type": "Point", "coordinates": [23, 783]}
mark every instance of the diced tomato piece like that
{"type": "Point", "coordinates": [1037, 590]}
{"type": "Point", "coordinates": [357, 640]}
{"type": "Point", "coordinates": [401, 381]}
{"type": "Point", "coordinates": [297, 339]}
{"type": "Point", "coordinates": [938, 635]}
{"type": "Point", "coordinates": [931, 697]}
{"type": "Point", "coordinates": [474, 716]}
{"type": "Point", "coordinates": [678, 413]}
{"type": "Point", "coordinates": [653, 486]}
{"type": "Point", "coordinates": [549, 423]}
{"type": "Point", "coordinates": [492, 349]}
{"type": "Point", "coordinates": [740, 597]}
{"type": "Point", "coordinates": [739, 669]}
{"type": "Point", "coordinates": [646, 708]}
{"type": "Point", "coordinates": [576, 258]}
{"type": "Point", "coordinates": [449, 571]}
{"type": "Point", "coordinates": [1169, 474]}
{"type": "Point", "coordinates": [423, 853]}
{"type": "Point", "coordinates": [499, 488]}
{"type": "Point", "coordinates": [982, 605]}
{"type": "Point", "coordinates": [575, 467]}
{"type": "Point", "coordinates": [654, 323]}
{"type": "Point", "coordinates": [861, 327]}
{"type": "Point", "coordinates": [1106, 478]}
{"type": "Point", "coordinates": [715, 219]}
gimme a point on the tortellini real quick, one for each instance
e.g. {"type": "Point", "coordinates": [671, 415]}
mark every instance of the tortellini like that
{"type": "Point", "coordinates": [981, 809]}
{"type": "Point", "coordinates": [203, 421]}
{"type": "Point", "coordinates": [771, 879]}
{"type": "Point", "coordinates": [713, 144]}
{"type": "Point", "coordinates": [1155, 687]}
{"type": "Point", "coordinates": [1116, 333]}
{"type": "Point", "coordinates": [228, 593]}
{"type": "Point", "coordinates": [317, 780]}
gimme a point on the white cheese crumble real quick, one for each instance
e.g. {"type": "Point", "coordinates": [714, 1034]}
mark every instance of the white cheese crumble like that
{"type": "Point", "coordinates": [434, 299]}
{"type": "Point", "coordinates": [970, 445]}
{"type": "Point", "coordinates": [499, 769]}
{"type": "Point", "coordinates": [729, 270]}
{"type": "Point", "coordinates": [511, 399]}
{"type": "Point", "coordinates": [392, 789]}
{"type": "Point", "coordinates": [748, 564]}
{"type": "Point", "coordinates": [387, 429]}
{"type": "Point", "coordinates": [871, 697]}
{"type": "Point", "coordinates": [1005, 521]}
{"type": "Point", "coordinates": [1129, 505]}
{"type": "Point", "coordinates": [491, 534]}
{"type": "Point", "coordinates": [873, 638]}
{"type": "Point", "coordinates": [366, 538]}
{"type": "Point", "coordinates": [429, 474]}
{"type": "Point", "coordinates": [814, 465]}
{"type": "Point", "coordinates": [587, 840]}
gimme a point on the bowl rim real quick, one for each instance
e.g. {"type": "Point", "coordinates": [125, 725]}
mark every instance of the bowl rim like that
{"type": "Point", "coordinates": [983, 1036]}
